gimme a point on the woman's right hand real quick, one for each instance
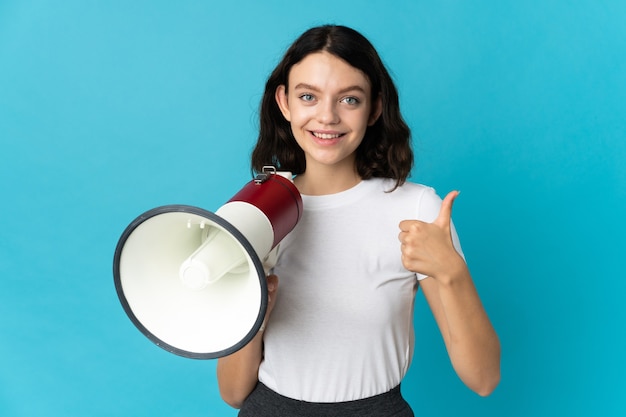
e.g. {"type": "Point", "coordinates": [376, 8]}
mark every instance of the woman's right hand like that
{"type": "Point", "coordinates": [272, 287]}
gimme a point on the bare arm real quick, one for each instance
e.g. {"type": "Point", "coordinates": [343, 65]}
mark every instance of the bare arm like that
{"type": "Point", "coordinates": [237, 374]}
{"type": "Point", "coordinates": [470, 339]}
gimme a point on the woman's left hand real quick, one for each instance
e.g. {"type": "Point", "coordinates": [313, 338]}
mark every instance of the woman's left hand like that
{"type": "Point", "coordinates": [427, 248]}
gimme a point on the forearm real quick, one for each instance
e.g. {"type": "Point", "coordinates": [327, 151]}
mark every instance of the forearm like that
{"type": "Point", "coordinates": [237, 374]}
{"type": "Point", "coordinates": [471, 340]}
{"type": "Point", "coordinates": [472, 343]}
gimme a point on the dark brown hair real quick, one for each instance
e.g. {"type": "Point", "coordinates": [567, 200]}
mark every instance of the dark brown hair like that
{"type": "Point", "coordinates": [386, 147]}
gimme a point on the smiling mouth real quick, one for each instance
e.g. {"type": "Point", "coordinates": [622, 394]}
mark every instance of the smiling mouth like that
{"type": "Point", "coordinates": [326, 136]}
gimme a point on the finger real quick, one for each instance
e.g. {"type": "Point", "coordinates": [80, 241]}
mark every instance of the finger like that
{"type": "Point", "coordinates": [406, 225]}
{"type": "Point", "coordinates": [272, 282]}
{"type": "Point", "coordinates": [445, 212]}
{"type": "Point", "coordinates": [272, 286]}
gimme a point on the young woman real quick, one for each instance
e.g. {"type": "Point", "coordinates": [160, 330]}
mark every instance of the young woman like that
{"type": "Point", "coordinates": [339, 335]}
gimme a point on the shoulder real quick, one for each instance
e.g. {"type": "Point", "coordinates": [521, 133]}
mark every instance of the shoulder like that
{"type": "Point", "coordinates": [408, 189]}
{"type": "Point", "coordinates": [422, 200]}
{"type": "Point", "coordinates": [388, 184]}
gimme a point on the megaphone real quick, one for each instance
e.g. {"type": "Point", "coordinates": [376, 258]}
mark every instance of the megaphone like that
{"type": "Point", "coordinates": [194, 281]}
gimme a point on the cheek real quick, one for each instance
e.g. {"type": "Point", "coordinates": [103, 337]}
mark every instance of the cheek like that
{"type": "Point", "coordinates": [300, 124]}
{"type": "Point", "coordinates": [301, 114]}
{"type": "Point", "coordinates": [359, 120]}
{"type": "Point", "coordinates": [298, 130]}
{"type": "Point", "coordinates": [297, 126]}
{"type": "Point", "coordinates": [299, 136]}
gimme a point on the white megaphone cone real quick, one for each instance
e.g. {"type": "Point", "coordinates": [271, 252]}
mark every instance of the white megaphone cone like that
{"type": "Point", "coordinates": [193, 281]}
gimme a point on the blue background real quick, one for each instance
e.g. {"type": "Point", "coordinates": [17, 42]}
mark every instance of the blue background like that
{"type": "Point", "coordinates": [108, 109]}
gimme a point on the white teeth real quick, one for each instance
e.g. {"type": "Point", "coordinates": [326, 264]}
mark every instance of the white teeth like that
{"type": "Point", "coordinates": [326, 135]}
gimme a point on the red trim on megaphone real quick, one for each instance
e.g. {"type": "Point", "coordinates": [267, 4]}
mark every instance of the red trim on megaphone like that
{"type": "Point", "coordinates": [278, 198]}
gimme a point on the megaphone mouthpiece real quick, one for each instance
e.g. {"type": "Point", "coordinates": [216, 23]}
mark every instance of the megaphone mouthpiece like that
{"type": "Point", "coordinates": [218, 255]}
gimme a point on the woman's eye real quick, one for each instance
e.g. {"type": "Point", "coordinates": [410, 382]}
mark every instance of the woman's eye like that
{"type": "Point", "coordinates": [307, 97]}
{"type": "Point", "coordinates": [351, 100]}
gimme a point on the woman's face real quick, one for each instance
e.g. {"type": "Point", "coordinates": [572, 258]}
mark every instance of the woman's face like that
{"type": "Point", "coordinates": [329, 107]}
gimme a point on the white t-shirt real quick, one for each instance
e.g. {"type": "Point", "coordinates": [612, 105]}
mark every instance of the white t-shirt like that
{"type": "Point", "coordinates": [342, 326]}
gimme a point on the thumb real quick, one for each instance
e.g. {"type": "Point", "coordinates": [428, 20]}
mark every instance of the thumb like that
{"type": "Point", "coordinates": [445, 212]}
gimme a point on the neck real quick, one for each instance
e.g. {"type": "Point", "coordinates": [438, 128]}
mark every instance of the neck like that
{"type": "Point", "coordinates": [326, 181]}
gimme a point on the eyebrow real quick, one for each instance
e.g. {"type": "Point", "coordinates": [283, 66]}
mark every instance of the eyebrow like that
{"type": "Point", "coordinates": [305, 86]}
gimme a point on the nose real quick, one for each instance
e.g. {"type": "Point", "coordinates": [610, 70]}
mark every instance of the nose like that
{"type": "Point", "coordinates": [327, 113]}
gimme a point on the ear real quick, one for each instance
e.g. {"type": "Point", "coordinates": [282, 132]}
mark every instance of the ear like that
{"type": "Point", "coordinates": [283, 103]}
{"type": "Point", "coordinates": [377, 110]}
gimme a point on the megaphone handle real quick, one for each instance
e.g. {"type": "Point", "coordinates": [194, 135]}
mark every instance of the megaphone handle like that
{"type": "Point", "coordinates": [270, 260]}
{"type": "Point", "coordinates": [262, 328]}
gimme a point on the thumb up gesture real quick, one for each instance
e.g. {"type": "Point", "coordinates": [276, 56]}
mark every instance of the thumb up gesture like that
{"type": "Point", "coordinates": [427, 248]}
